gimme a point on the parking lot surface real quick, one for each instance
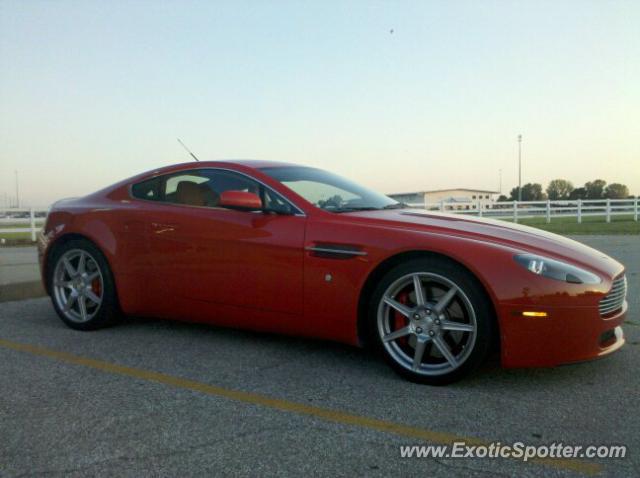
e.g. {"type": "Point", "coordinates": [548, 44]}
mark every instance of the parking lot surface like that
{"type": "Point", "coordinates": [18, 264]}
{"type": "Point", "coordinates": [171, 399]}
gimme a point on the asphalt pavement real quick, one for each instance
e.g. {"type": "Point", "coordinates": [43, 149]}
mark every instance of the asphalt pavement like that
{"type": "Point", "coordinates": [19, 274]}
{"type": "Point", "coordinates": [18, 264]}
{"type": "Point", "coordinates": [161, 398]}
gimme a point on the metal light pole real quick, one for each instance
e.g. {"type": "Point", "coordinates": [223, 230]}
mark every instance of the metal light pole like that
{"type": "Point", "coordinates": [17, 192]}
{"type": "Point", "coordinates": [519, 168]}
{"type": "Point", "coordinates": [500, 174]}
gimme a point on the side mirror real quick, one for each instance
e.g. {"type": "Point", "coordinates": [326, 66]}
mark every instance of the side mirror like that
{"type": "Point", "coordinates": [240, 200]}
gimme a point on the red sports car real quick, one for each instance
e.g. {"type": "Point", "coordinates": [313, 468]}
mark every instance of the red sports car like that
{"type": "Point", "coordinates": [296, 250]}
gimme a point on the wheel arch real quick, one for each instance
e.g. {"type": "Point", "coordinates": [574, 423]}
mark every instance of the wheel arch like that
{"type": "Point", "coordinates": [60, 241]}
{"type": "Point", "coordinates": [389, 263]}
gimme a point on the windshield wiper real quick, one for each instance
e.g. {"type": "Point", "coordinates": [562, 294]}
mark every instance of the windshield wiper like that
{"type": "Point", "coordinates": [354, 209]}
{"type": "Point", "coordinates": [398, 205]}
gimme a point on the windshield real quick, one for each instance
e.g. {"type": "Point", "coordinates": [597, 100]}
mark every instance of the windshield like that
{"type": "Point", "coordinates": [329, 191]}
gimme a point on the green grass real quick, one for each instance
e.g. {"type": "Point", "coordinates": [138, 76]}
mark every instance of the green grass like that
{"type": "Point", "coordinates": [39, 222]}
{"type": "Point", "coordinates": [14, 235]}
{"type": "Point", "coordinates": [15, 238]}
{"type": "Point", "coordinates": [590, 225]}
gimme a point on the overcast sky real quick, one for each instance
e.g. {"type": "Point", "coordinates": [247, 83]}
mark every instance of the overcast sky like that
{"type": "Point", "coordinates": [397, 95]}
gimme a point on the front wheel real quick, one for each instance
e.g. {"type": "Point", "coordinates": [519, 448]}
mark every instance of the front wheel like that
{"type": "Point", "coordinates": [431, 320]}
{"type": "Point", "coordinates": [81, 286]}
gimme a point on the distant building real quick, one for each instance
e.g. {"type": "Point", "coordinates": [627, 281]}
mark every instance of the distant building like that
{"type": "Point", "coordinates": [454, 198]}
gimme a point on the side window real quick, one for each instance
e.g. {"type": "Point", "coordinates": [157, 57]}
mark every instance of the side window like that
{"type": "Point", "coordinates": [275, 203]}
{"type": "Point", "coordinates": [203, 187]}
{"type": "Point", "coordinates": [188, 188]}
{"type": "Point", "coordinates": [149, 189]}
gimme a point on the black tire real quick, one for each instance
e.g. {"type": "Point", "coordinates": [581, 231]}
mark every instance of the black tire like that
{"type": "Point", "coordinates": [105, 314]}
{"type": "Point", "coordinates": [469, 292]}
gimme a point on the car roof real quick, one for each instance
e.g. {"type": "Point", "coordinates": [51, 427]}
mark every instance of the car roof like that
{"type": "Point", "coordinates": [251, 163]}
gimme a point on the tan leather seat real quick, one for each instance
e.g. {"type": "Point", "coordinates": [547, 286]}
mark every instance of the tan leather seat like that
{"type": "Point", "coordinates": [189, 193]}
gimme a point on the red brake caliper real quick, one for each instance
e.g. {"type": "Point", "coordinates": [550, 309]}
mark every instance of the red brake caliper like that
{"type": "Point", "coordinates": [399, 320]}
{"type": "Point", "coordinates": [96, 287]}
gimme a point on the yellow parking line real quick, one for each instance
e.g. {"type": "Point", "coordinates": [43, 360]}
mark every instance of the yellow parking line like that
{"type": "Point", "coordinates": [284, 405]}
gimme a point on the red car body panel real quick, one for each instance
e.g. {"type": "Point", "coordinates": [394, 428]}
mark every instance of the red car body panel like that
{"type": "Point", "coordinates": [256, 271]}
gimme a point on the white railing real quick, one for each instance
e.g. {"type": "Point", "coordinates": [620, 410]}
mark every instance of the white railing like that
{"type": "Point", "coordinates": [516, 210]}
{"type": "Point", "coordinates": [28, 221]}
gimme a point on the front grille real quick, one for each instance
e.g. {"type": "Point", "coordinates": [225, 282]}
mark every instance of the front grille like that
{"type": "Point", "coordinates": [612, 302]}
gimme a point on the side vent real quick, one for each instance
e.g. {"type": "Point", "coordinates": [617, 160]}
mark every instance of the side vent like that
{"type": "Point", "coordinates": [335, 251]}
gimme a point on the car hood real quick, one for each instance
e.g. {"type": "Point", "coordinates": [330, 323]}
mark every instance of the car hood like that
{"type": "Point", "coordinates": [516, 236]}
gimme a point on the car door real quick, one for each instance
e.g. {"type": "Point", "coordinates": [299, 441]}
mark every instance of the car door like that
{"type": "Point", "coordinates": [204, 253]}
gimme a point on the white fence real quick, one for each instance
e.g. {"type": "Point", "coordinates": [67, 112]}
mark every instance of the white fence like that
{"type": "Point", "coordinates": [29, 221]}
{"type": "Point", "coordinates": [22, 221]}
{"type": "Point", "coordinates": [515, 210]}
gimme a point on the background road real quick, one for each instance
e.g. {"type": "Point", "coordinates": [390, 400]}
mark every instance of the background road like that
{"type": "Point", "coordinates": [18, 264]}
{"type": "Point", "coordinates": [74, 419]}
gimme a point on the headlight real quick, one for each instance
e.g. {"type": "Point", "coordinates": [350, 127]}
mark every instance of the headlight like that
{"type": "Point", "coordinates": [543, 266]}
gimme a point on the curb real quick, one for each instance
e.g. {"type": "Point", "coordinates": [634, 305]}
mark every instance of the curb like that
{"type": "Point", "coordinates": [21, 291]}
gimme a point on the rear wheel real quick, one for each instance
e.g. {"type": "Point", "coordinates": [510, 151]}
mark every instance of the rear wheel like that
{"type": "Point", "coordinates": [431, 320]}
{"type": "Point", "coordinates": [81, 286]}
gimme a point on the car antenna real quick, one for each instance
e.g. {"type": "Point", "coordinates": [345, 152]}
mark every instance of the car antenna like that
{"type": "Point", "coordinates": [188, 150]}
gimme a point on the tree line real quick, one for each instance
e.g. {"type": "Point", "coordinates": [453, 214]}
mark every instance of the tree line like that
{"type": "Point", "coordinates": [559, 189]}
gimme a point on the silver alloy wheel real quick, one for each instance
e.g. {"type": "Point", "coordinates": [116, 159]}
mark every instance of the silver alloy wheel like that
{"type": "Point", "coordinates": [78, 285]}
{"type": "Point", "coordinates": [427, 323]}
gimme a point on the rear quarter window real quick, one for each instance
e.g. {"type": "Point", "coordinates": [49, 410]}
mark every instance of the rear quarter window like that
{"type": "Point", "coordinates": [149, 190]}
